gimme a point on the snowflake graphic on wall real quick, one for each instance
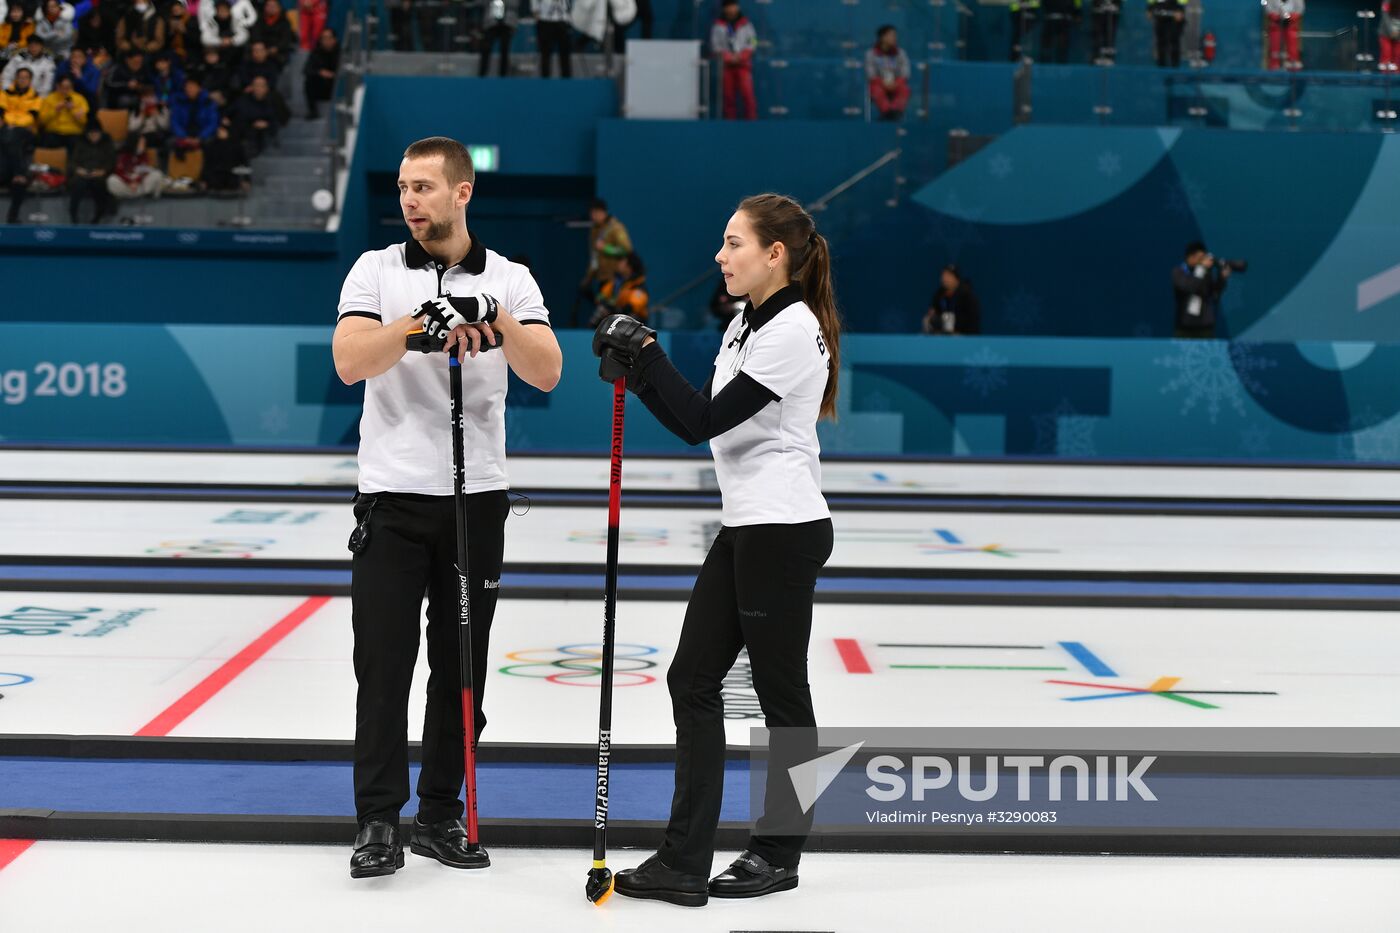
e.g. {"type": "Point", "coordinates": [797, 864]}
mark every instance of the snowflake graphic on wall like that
{"type": "Point", "coordinates": [274, 420]}
{"type": "Point", "coordinates": [1184, 197]}
{"type": "Point", "coordinates": [1368, 437]}
{"type": "Point", "coordinates": [1022, 311]}
{"type": "Point", "coordinates": [955, 226]}
{"type": "Point", "coordinates": [1064, 431]}
{"type": "Point", "coordinates": [1001, 165]}
{"type": "Point", "coordinates": [1110, 163]}
{"type": "Point", "coordinates": [984, 372]}
{"type": "Point", "coordinates": [1254, 440]}
{"type": "Point", "coordinates": [1213, 373]}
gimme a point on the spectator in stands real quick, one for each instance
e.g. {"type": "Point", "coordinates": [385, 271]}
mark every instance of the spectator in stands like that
{"type": "Point", "coordinates": [275, 31]}
{"type": "Point", "coordinates": [150, 119]}
{"type": "Point", "coordinates": [887, 70]}
{"type": "Point", "coordinates": [498, 22]}
{"type": "Point", "coordinates": [255, 118]}
{"type": "Point", "coordinates": [1168, 19]}
{"type": "Point", "coordinates": [221, 29]}
{"type": "Point", "coordinates": [193, 119]}
{"type": "Point", "coordinates": [62, 115]}
{"type": "Point", "coordinates": [625, 292]}
{"type": "Point", "coordinates": [1059, 17]}
{"type": "Point", "coordinates": [321, 66]}
{"type": "Point", "coordinates": [222, 155]}
{"type": "Point", "coordinates": [14, 31]}
{"type": "Point", "coordinates": [135, 176]}
{"type": "Point", "coordinates": [216, 77]}
{"type": "Point", "coordinates": [57, 27]}
{"type": "Point", "coordinates": [954, 309]}
{"type": "Point", "coordinates": [21, 106]}
{"type": "Point", "coordinates": [94, 158]}
{"type": "Point", "coordinates": [40, 65]}
{"type": "Point", "coordinates": [1105, 25]}
{"type": "Point", "coordinates": [400, 24]}
{"type": "Point", "coordinates": [311, 22]}
{"type": "Point", "coordinates": [610, 242]}
{"type": "Point", "coordinates": [86, 77]}
{"type": "Point", "coordinates": [1390, 36]}
{"type": "Point", "coordinates": [733, 41]}
{"type": "Point", "coordinates": [1197, 284]}
{"type": "Point", "coordinates": [1023, 15]}
{"type": "Point", "coordinates": [552, 33]}
{"type": "Point", "coordinates": [15, 149]}
{"type": "Point", "coordinates": [96, 31]}
{"type": "Point", "coordinates": [182, 34]}
{"type": "Point", "coordinates": [125, 80]}
{"type": "Point", "coordinates": [167, 78]}
{"type": "Point", "coordinates": [1285, 23]}
{"type": "Point", "coordinates": [258, 63]}
{"type": "Point", "coordinates": [141, 27]}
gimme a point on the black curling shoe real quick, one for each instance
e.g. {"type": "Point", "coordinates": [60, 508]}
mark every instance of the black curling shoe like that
{"type": "Point", "coordinates": [752, 876]}
{"type": "Point", "coordinates": [654, 880]}
{"type": "Point", "coordinates": [377, 850]}
{"type": "Point", "coordinates": [446, 841]}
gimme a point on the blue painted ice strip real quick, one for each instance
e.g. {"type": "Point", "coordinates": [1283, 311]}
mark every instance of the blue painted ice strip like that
{"type": "Point", "coordinates": [948, 536]}
{"type": "Point", "coordinates": [1091, 661]}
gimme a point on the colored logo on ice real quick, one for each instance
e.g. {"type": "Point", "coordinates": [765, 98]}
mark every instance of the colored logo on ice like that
{"type": "Point", "coordinates": [582, 665]}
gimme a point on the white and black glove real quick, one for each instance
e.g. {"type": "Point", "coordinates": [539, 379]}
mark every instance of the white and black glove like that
{"type": "Point", "coordinates": [438, 317]}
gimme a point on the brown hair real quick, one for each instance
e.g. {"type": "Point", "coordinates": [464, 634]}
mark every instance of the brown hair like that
{"type": "Point", "coordinates": [456, 160]}
{"type": "Point", "coordinates": [777, 218]}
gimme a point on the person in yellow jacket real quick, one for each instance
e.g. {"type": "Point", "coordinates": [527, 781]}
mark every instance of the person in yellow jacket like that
{"type": "Point", "coordinates": [62, 115]}
{"type": "Point", "coordinates": [20, 105]}
{"type": "Point", "coordinates": [608, 243]}
{"type": "Point", "coordinates": [625, 292]}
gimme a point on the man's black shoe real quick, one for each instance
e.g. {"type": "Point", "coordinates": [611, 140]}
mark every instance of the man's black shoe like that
{"type": "Point", "coordinates": [654, 880]}
{"type": "Point", "coordinates": [446, 841]}
{"type": "Point", "coordinates": [752, 876]}
{"type": "Point", "coordinates": [377, 850]}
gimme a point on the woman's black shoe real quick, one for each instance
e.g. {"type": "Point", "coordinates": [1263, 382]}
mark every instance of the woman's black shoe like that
{"type": "Point", "coordinates": [752, 876]}
{"type": "Point", "coordinates": [654, 880]}
{"type": "Point", "coordinates": [446, 841]}
{"type": "Point", "coordinates": [377, 850]}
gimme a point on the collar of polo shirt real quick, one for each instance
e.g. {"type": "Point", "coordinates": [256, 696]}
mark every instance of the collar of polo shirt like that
{"type": "Point", "coordinates": [474, 264]}
{"type": "Point", "coordinates": [782, 298]}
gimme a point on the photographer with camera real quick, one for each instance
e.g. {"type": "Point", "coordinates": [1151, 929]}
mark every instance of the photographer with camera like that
{"type": "Point", "coordinates": [1198, 283]}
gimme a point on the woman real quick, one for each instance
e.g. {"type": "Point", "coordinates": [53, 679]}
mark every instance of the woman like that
{"type": "Point", "coordinates": [774, 377]}
{"type": "Point", "coordinates": [320, 69]}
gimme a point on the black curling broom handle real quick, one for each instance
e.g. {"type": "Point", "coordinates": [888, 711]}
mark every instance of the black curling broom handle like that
{"type": "Point", "coordinates": [600, 823]}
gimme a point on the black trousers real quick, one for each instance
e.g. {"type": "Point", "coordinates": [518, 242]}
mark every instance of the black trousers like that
{"type": "Point", "coordinates": [554, 37]}
{"type": "Point", "coordinates": [1168, 35]}
{"type": "Point", "coordinates": [1054, 38]}
{"type": "Point", "coordinates": [412, 549]}
{"type": "Point", "coordinates": [80, 189]}
{"type": "Point", "coordinates": [490, 37]}
{"type": "Point", "coordinates": [754, 591]}
{"type": "Point", "coordinates": [1106, 35]}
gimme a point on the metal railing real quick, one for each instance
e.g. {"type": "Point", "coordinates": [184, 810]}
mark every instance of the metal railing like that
{"type": "Point", "coordinates": [356, 49]}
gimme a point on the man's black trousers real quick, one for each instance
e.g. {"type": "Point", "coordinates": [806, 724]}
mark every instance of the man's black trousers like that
{"type": "Point", "coordinates": [754, 591]}
{"type": "Point", "coordinates": [412, 550]}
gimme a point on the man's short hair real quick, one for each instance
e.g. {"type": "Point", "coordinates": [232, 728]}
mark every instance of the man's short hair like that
{"type": "Point", "coordinates": [456, 160]}
{"type": "Point", "coordinates": [1195, 246]}
{"type": "Point", "coordinates": [598, 204]}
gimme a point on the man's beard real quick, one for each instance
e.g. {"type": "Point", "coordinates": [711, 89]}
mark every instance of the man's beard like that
{"type": "Point", "coordinates": [437, 230]}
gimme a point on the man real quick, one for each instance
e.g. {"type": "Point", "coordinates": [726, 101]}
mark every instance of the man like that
{"type": "Point", "coordinates": [953, 309]}
{"type": "Point", "coordinates": [887, 72]}
{"type": "Point", "coordinates": [1285, 25]}
{"type": "Point", "coordinates": [1023, 14]}
{"type": "Point", "coordinates": [445, 281]}
{"type": "Point", "coordinates": [610, 243]}
{"type": "Point", "coordinates": [1060, 16]}
{"type": "Point", "coordinates": [124, 82]}
{"type": "Point", "coordinates": [255, 117]}
{"type": "Point", "coordinates": [193, 118]}
{"type": "Point", "coordinates": [1168, 20]}
{"type": "Point", "coordinates": [20, 106]}
{"type": "Point", "coordinates": [1106, 13]}
{"type": "Point", "coordinates": [40, 66]}
{"type": "Point", "coordinates": [94, 158]}
{"type": "Point", "coordinates": [62, 115]}
{"type": "Point", "coordinates": [552, 34]}
{"type": "Point", "coordinates": [733, 41]}
{"type": "Point", "coordinates": [1198, 283]}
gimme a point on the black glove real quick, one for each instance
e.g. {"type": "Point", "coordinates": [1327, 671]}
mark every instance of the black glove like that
{"type": "Point", "coordinates": [623, 333]}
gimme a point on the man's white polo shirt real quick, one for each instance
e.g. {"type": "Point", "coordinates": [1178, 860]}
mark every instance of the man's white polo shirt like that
{"type": "Point", "coordinates": [406, 432]}
{"type": "Point", "coordinates": [769, 467]}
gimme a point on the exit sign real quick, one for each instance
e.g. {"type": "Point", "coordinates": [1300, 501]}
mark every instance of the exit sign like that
{"type": "Point", "coordinates": [485, 158]}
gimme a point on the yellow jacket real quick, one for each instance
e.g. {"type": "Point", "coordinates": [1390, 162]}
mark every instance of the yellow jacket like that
{"type": "Point", "coordinates": [19, 109]}
{"type": "Point", "coordinates": [56, 119]}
